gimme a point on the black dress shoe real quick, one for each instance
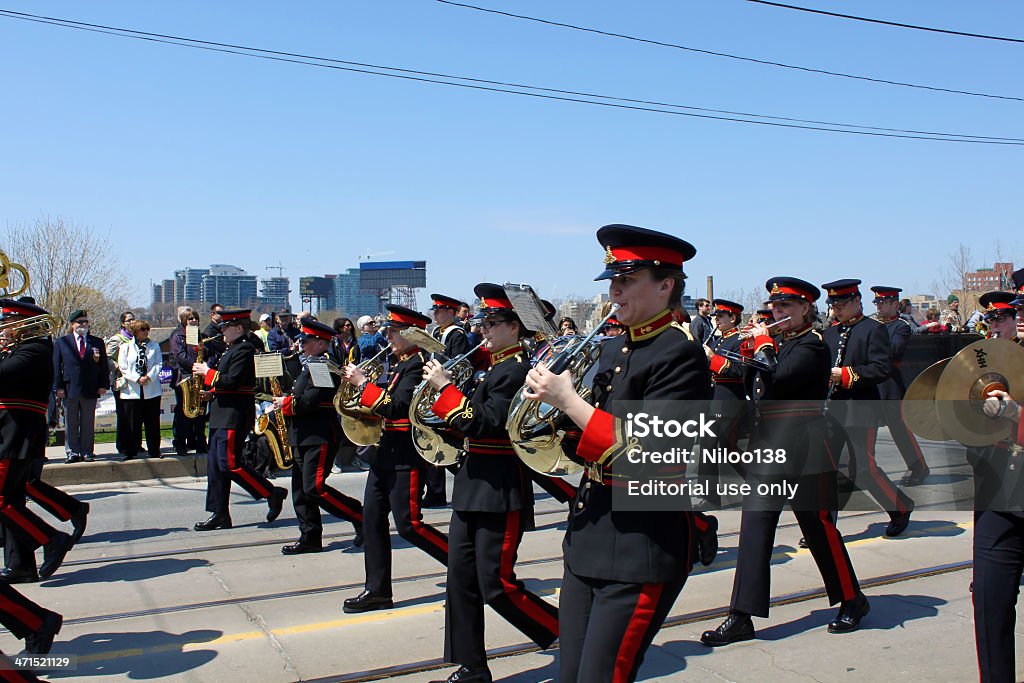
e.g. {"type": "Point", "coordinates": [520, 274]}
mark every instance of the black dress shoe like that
{"type": "Point", "coordinates": [850, 614]}
{"type": "Point", "coordinates": [53, 554]}
{"type": "Point", "coordinates": [300, 548]}
{"type": "Point", "coordinates": [707, 542]}
{"type": "Point", "coordinates": [214, 522]}
{"type": "Point", "coordinates": [914, 478]}
{"type": "Point", "coordinates": [10, 576]}
{"type": "Point", "coordinates": [898, 522]}
{"type": "Point", "coordinates": [469, 674]}
{"type": "Point", "coordinates": [357, 540]}
{"type": "Point", "coordinates": [367, 602]}
{"type": "Point", "coordinates": [736, 627]}
{"type": "Point", "coordinates": [803, 542]}
{"type": "Point", "coordinates": [40, 642]}
{"type": "Point", "coordinates": [276, 502]}
{"type": "Point", "coordinates": [78, 521]}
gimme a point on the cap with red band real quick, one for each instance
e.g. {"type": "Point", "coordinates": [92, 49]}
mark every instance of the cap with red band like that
{"type": "Point", "coordinates": [882, 293]}
{"type": "Point", "coordinates": [442, 301]}
{"type": "Point", "coordinates": [788, 288]}
{"type": "Point", "coordinates": [10, 307]}
{"type": "Point", "coordinates": [235, 316]}
{"type": "Point", "coordinates": [315, 328]}
{"type": "Point", "coordinates": [628, 249]}
{"type": "Point", "coordinates": [726, 306]}
{"type": "Point", "coordinates": [400, 315]}
{"type": "Point", "coordinates": [840, 290]}
{"type": "Point", "coordinates": [997, 303]}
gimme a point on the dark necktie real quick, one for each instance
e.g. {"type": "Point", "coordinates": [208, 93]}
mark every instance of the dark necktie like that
{"type": "Point", "coordinates": [81, 347]}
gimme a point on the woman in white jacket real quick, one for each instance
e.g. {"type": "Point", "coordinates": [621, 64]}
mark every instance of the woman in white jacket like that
{"type": "Point", "coordinates": [139, 360]}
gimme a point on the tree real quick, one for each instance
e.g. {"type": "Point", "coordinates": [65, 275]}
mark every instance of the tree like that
{"type": "Point", "coordinates": [70, 267]}
{"type": "Point", "coordinates": [953, 278]}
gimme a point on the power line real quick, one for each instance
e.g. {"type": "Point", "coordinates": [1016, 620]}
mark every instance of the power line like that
{"type": "Point", "coordinates": [727, 55]}
{"type": "Point", "coordinates": [888, 23]}
{"type": "Point", "coordinates": [272, 55]}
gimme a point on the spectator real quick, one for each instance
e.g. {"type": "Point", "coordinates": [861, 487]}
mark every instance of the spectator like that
{"type": "Point", "coordinates": [463, 315]}
{"type": "Point", "coordinates": [344, 347]}
{"type": "Point", "coordinates": [291, 330]}
{"type": "Point", "coordinates": [972, 322]}
{"type": "Point", "coordinates": [80, 376]}
{"type": "Point", "coordinates": [263, 332]}
{"type": "Point", "coordinates": [187, 432]}
{"type": "Point", "coordinates": [370, 340]}
{"type": "Point", "coordinates": [117, 382]}
{"type": "Point", "coordinates": [905, 313]}
{"type": "Point", "coordinates": [701, 327]}
{"type": "Point", "coordinates": [476, 330]}
{"type": "Point", "coordinates": [217, 346]}
{"type": "Point", "coordinates": [952, 316]}
{"type": "Point", "coordinates": [277, 340]}
{"type": "Point", "coordinates": [140, 361]}
{"type": "Point", "coordinates": [567, 327]}
{"type": "Point", "coordinates": [931, 324]}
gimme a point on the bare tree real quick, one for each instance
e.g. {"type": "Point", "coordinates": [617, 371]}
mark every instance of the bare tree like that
{"type": "Point", "coordinates": [953, 277]}
{"type": "Point", "coordinates": [70, 267]}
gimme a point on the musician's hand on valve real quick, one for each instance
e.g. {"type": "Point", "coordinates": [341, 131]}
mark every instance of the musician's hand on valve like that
{"type": "Point", "coordinates": [837, 375]}
{"type": "Point", "coordinates": [354, 375]}
{"type": "Point", "coordinates": [999, 404]}
{"type": "Point", "coordinates": [279, 402]}
{"type": "Point", "coordinates": [436, 375]}
{"type": "Point", "coordinates": [547, 387]}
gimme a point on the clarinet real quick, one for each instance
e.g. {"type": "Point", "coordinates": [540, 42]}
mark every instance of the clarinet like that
{"type": "Point", "coordinates": [840, 352]}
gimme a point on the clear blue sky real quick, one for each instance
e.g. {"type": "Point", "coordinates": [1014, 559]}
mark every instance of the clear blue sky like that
{"type": "Point", "coordinates": [235, 160]}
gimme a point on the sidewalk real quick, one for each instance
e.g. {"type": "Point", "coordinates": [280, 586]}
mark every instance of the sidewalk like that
{"type": "Point", "coordinates": [110, 467]}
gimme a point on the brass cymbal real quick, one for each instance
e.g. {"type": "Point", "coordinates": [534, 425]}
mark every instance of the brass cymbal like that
{"type": "Point", "coordinates": [973, 372]}
{"type": "Point", "coordinates": [919, 412]}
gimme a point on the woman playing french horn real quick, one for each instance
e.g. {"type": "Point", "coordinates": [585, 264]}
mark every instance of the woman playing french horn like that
{"type": "Point", "coordinates": [492, 501]}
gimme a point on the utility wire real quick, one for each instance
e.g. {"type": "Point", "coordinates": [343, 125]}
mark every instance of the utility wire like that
{"type": "Point", "coordinates": [727, 55]}
{"type": "Point", "coordinates": [888, 23]}
{"type": "Point", "coordinates": [367, 69]}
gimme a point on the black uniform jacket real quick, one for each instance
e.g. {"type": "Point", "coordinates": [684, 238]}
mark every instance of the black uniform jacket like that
{"type": "Point", "coordinates": [492, 478]}
{"type": "Point", "coordinates": [892, 387]}
{"type": "Point", "coordinates": [655, 360]}
{"type": "Point", "coordinates": [234, 386]}
{"type": "Point", "coordinates": [865, 357]}
{"type": "Point", "coordinates": [791, 398]}
{"type": "Point", "coordinates": [310, 409]}
{"type": "Point", "coordinates": [392, 404]}
{"type": "Point", "coordinates": [728, 376]}
{"type": "Point", "coordinates": [26, 376]}
{"type": "Point", "coordinates": [454, 339]}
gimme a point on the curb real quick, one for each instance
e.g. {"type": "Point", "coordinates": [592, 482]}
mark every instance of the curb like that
{"type": "Point", "coordinates": [106, 471]}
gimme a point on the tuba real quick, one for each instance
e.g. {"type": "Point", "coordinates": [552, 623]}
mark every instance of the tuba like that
{"type": "Point", "coordinates": [361, 426]}
{"type": "Point", "coordinates": [537, 430]}
{"type": "Point", "coordinates": [428, 431]}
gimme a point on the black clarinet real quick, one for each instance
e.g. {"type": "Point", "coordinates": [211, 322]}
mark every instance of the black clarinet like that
{"type": "Point", "coordinates": [840, 352]}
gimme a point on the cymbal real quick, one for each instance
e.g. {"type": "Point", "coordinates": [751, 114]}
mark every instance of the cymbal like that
{"type": "Point", "coordinates": [919, 412]}
{"type": "Point", "coordinates": [973, 372]}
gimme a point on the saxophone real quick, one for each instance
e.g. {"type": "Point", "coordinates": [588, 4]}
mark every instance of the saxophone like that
{"type": "Point", "coordinates": [282, 450]}
{"type": "Point", "coordinates": [192, 390]}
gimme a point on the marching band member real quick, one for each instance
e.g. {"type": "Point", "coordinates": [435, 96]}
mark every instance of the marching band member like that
{"type": "Point", "coordinates": [862, 359]}
{"type": "Point", "coordinates": [791, 418]}
{"type": "Point", "coordinates": [892, 389]}
{"type": "Point", "coordinates": [232, 413]}
{"type": "Point", "coordinates": [624, 570]}
{"type": "Point", "coordinates": [314, 433]}
{"type": "Point", "coordinates": [395, 480]}
{"type": "Point", "coordinates": [492, 501]}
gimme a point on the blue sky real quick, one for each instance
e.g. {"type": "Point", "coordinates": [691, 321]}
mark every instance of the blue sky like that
{"type": "Point", "coordinates": [190, 158]}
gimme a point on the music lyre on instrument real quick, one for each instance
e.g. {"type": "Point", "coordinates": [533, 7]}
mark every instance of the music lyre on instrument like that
{"type": "Point", "coordinates": [271, 365]}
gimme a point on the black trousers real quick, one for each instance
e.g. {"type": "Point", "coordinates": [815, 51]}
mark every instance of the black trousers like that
{"type": "Point", "coordinates": [189, 433]}
{"type": "Point", "coordinates": [224, 465]}
{"type": "Point", "coordinates": [398, 492]}
{"type": "Point", "coordinates": [18, 555]}
{"type": "Point", "coordinates": [556, 487]}
{"type": "Point", "coordinates": [606, 626]}
{"type": "Point", "coordinates": [143, 412]}
{"type": "Point", "coordinates": [24, 531]}
{"type": "Point", "coordinates": [123, 427]}
{"type": "Point", "coordinates": [310, 492]}
{"type": "Point", "coordinates": [482, 548]}
{"type": "Point", "coordinates": [998, 565]}
{"type": "Point", "coordinates": [904, 439]}
{"type": "Point", "coordinates": [866, 473]}
{"type": "Point", "coordinates": [18, 614]}
{"type": "Point", "coordinates": [751, 588]}
{"type": "Point", "coordinates": [436, 478]}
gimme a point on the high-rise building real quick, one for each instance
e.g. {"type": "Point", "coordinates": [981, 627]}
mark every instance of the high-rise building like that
{"type": "Point", "coordinates": [348, 298]}
{"type": "Point", "coordinates": [189, 285]}
{"type": "Point", "coordinates": [229, 286]}
{"type": "Point", "coordinates": [168, 292]}
{"type": "Point", "coordinates": [158, 294]}
{"type": "Point", "coordinates": [274, 292]}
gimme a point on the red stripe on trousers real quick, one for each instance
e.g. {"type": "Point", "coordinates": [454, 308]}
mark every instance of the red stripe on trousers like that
{"type": "Point", "coordinates": [418, 527]}
{"type": "Point", "coordinates": [9, 511]}
{"type": "Point", "coordinates": [36, 494]}
{"type": "Point", "coordinates": [324, 492]}
{"type": "Point", "coordinates": [241, 471]}
{"type": "Point", "coordinates": [509, 546]}
{"type": "Point", "coordinates": [835, 546]}
{"type": "Point", "coordinates": [23, 614]}
{"type": "Point", "coordinates": [877, 474]}
{"type": "Point", "coordinates": [639, 623]}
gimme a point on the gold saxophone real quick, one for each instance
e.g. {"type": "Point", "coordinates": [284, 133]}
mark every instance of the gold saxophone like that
{"type": "Point", "coordinates": [192, 390]}
{"type": "Point", "coordinates": [282, 450]}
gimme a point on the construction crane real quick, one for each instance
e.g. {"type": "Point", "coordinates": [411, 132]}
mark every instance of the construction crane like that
{"type": "Point", "coordinates": [279, 268]}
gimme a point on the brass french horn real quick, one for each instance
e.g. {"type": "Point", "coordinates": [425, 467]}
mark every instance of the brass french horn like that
{"type": "Point", "coordinates": [7, 268]}
{"type": "Point", "coordinates": [362, 426]}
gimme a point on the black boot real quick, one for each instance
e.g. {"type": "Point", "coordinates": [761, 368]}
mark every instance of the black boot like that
{"type": "Point", "coordinates": [736, 627]}
{"type": "Point", "coordinates": [366, 602]}
{"type": "Point", "coordinates": [469, 674]}
{"type": "Point", "coordinates": [276, 503]}
{"type": "Point", "coordinates": [850, 614]}
{"type": "Point", "coordinates": [40, 642]}
{"type": "Point", "coordinates": [53, 554]}
{"type": "Point", "coordinates": [78, 521]}
{"type": "Point", "coordinates": [214, 522]}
